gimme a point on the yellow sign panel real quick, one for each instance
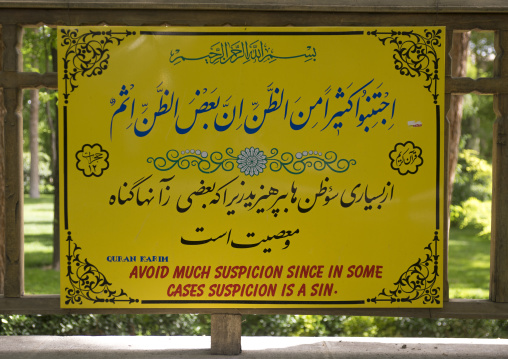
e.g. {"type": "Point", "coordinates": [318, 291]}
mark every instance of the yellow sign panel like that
{"type": "Point", "coordinates": [251, 167]}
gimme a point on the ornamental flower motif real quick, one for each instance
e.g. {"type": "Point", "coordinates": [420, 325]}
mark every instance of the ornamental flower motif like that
{"type": "Point", "coordinates": [251, 161]}
{"type": "Point", "coordinates": [406, 158]}
{"type": "Point", "coordinates": [92, 160]}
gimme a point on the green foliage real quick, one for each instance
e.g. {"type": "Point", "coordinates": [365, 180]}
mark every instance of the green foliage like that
{"type": "Point", "coordinates": [38, 47]}
{"type": "Point", "coordinates": [477, 122]}
{"type": "Point", "coordinates": [472, 192]}
{"type": "Point", "coordinates": [124, 324]}
{"type": "Point", "coordinates": [45, 173]}
{"type": "Point", "coordinates": [356, 326]}
{"type": "Point", "coordinates": [276, 325]}
{"type": "Point", "coordinates": [45, 97]}
{"type": "Point", "coordinates": [442, 328]}
{"type": "Point", "coordinates": [473, 178]}
{"type": "Point", "coordinates": [283, 325]}
{"type": "Point", "coordinates": [387, 327]}
{"type": "Point", "coordinates": [482, 54]}
{"type": "Point", "coordinates": [473, 214]}
{"type": "Point", "coordinates": [478, 113]}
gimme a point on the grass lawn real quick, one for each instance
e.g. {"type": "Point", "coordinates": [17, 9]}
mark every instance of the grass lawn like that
{"type": "Point", "coordinates": [39, 277]}
{"type": "Point", "coordinates": [469, 265]}
{"type": "Point", "coordinates": [468, 272]}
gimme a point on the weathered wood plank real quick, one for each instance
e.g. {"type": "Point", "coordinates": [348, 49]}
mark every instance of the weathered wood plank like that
{"type": "Point", "coordinates": [446, 205]}
{"type": "Point", "coordinates": [448, 72]}
{"type": "Point", "coordinates": [2, 180]}
{"type": "Point", "coordinates": [13, 140]}
{"type": "Point", "coordinates": [456, 51]}
{"type": "Point", "coordinates": [452, 85]}
{"type": "Point", "coordinates": [466, 85]}
{"type": "Point", "coordinates": [499, 241]}
{"type": "Point", "coordinates": [242, 17]}
{"type": "Point", "coordinates": [29, 80]}
{"type": "Point", "coordinates": [226, 334]}
{"type": "Point", "coordinates": [455, 308]}
{"type": "Point", "coordinates": [2, 192]}
{"type": "Point", "coordinates": [429, 6]}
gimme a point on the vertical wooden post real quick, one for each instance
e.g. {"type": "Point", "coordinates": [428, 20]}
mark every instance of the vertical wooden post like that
{"type": "Point", "coordinates": [13, 140]}
{"type": "Point", "coordinates": [226, 334]}
{"type": "Point", "coordinates": [446, 204]}
{"type": "Point", "coordinates": [2, 179]}
{"type": "Point", "coordinates": [499, 241]}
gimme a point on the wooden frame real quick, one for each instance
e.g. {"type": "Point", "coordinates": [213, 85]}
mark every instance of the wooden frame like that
{"type": "Point", "coordinates": [456, 15]}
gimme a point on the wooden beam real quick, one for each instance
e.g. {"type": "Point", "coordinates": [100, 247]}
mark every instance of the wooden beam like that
{"type": "Point", "coordinates": [446, 208]}
{"type": "Point", "coordinates": [2, 181]}
{"type": "Point", "coordinates": [455, 308]}
{"type": "Point", "coordinates": [226, 334]}
{"type": "Point", "coordinates": [26, 80]}
{"type": "Point", "coordinates": [13, 140]}
{"type": "Point", "coordinates": [499, 234]}
{"type": "Point", "coordinates": [243, 17]}
{"type": "Point", "coordinates": [427, 6]}
{"type": "Point", "coordinates": [464, 85]}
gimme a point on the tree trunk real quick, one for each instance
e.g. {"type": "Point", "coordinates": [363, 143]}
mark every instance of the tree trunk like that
{"type": "Point", "coordinates": [459, 69]}
{"type": "Point", "coordinates": [34, 143]}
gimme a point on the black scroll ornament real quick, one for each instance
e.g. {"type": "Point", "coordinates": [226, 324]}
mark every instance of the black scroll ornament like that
{"type": "Point", "coordinates": [415, 54]}
{"type": "Point", "coordinates": [87, 282]}
{"type": "Point", "coordinates": [87, 54]}
{"type": "Point", "coordinates": [418, 282]}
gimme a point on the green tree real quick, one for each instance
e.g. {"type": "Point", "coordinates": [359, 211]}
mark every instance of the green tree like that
{"type": "Point", "coordinates": [473, 178]}
{"type": "Point", "coordinates": [33, 125]}
{"type": "Point", "coordinates": [39, 53]}
{"type": "Point", "coordinates": [482, 53]}
{"type": "Point", "coordinates": [459, 56]}
{"type": "Point", "coordinates": [37, 49]}
{"type": "Point", "coordinates": [478, 116]}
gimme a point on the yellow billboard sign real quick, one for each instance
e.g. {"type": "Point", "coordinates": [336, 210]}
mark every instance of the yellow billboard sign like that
{"type": "Point", "coordinates": [251, 167]}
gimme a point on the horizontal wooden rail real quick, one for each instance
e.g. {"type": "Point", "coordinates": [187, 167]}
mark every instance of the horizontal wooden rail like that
{"type": "Point", "coordinates": [455, 308]}
{"type": "Point", "coordinates": [28, 80]}
{"type": "Point", "coordinates": [241, 16]}
{"type": "Point", "coordinates": [460, 86]}
{"type": "Point", "coordinates": [430, 6]}
{"type": "Point", "coordinates": [456, 86]}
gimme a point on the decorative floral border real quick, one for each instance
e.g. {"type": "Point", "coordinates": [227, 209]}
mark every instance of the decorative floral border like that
{"type": "Point", "coordinates": [251, 161]}
{"type": "Point", "coordinates": [87, 282]}
{"type": "Point", "coordinates": [415, 54]}
{"type": "Point", "coordinates": [417, 282]}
